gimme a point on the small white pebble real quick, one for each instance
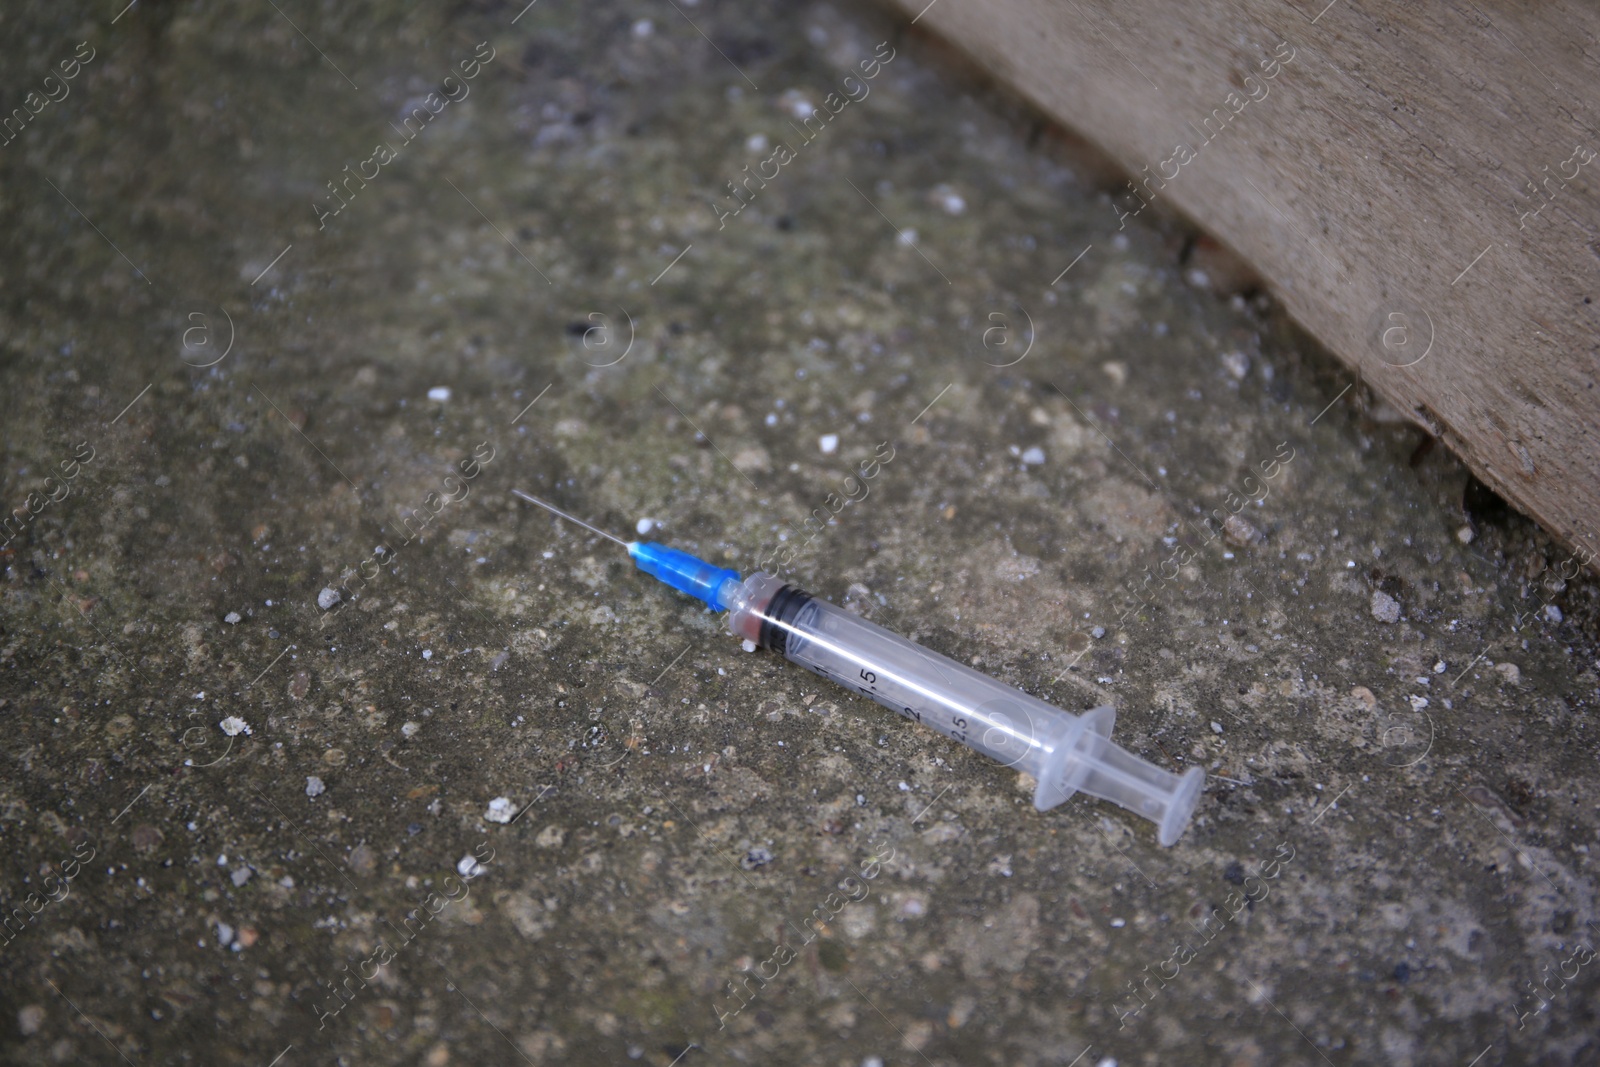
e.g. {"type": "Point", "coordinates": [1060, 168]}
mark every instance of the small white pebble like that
{"type": "Point", "coordinates": [241, 876]}
{"type": "Point", "coordinates": [233, 726]}
{"type": "Point", "coordinates": [30, 1019]}
{"type": "Point", "coordinates": [500, 810]}
{"type": "Point", "coordinates": [469, 867]}
{"type": "Point", "coordinates": [1098, 632]}
{"type": "Point", "coordinates": [798, 105]}
{"type": "Point", "coordinates": [441, 393]}
{"type": "Point", "coordinates": [427, 653]}
{"type": "Point", "coordinates": [644, 526]}
{"type": "Point", "coordinates": [1552, 613]}
{"type": "Point", "coordinates": [756, 142]}
{"type": "Point", "coordinates": [829, 443]}
{"type": "Point", "coordinates": [643, 28]}
{"type": "Point", "coordinates": [1466, 534]}
{"type": "Point", "coordinates": [1034, 456]}
{"type": "Point", "coordinates": [748, 646]}
{"type": "Point", "coordinates": [904, 788]}
{"type": "Point", "coordinates": [314, 787]}
{"type": "Point", "coordinates": [1119, 923]}
{"type": "Point", "coordinates": [1107, 1061]}
{"type": "Point", "coordinates": [908, 237]}
{"type": "Point", "coordinates": [328, 597]}
{"type": "Point", "coordinates": [1216, 727]}
{"type": "Point", "coordinates": [232, 618]}
{"type": "Point", "coordinates": [1237, 363]}
{"type": "Point", "coordinates": [1418, 702]}
{"type": "Point", "coordinates": [948, 199]}
{"type": "Point", "coordinates": [409, 729]}
{"type": "Point", "coordinates": [1439, 668]}
{"type": "Point", "coordinates": [1199, 279]}
{"type": "Point", "coordinates": [224, 933]}
{"type": "Point", "coordinates": [1385, 608]}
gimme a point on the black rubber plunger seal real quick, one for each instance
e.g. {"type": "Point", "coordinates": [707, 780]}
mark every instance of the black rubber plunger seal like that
{"type": "Point", "coordinates": [784, 608]}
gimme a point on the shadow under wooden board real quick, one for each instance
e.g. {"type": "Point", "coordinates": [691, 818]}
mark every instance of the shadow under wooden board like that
{"type": "Point", "coordinates": [1417, 186]}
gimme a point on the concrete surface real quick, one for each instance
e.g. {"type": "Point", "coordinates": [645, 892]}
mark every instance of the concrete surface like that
{"type": "Point", "coordinates": [520, 803]}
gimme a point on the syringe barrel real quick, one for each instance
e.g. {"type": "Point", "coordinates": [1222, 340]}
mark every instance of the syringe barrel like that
{"type": "Point", "coordinates": [1063, 752]}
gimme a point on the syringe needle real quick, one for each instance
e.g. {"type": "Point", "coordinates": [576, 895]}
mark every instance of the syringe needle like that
{"type": "Point", "coordinates": [530, 498]}
{"type": "Point", "coordinates": [678, 569]}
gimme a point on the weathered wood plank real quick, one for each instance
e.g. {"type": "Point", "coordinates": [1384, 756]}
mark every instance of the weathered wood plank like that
{"type": "Point", "coordinates": [1417, 184]}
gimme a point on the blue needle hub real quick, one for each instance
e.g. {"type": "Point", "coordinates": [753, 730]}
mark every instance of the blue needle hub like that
{"type": "Point", "coordinates": [685, 573]}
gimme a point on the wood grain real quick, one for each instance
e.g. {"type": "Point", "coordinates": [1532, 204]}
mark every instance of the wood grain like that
{"type": "Point", "coordinates": [1410, 182]}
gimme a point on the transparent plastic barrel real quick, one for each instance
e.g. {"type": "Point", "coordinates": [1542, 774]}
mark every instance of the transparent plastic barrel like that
{"type": "Point", "coordinates": [1064, 753]}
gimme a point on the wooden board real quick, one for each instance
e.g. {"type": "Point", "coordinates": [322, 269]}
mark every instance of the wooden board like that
{"type": "Point", "coordinates": [1418, 185]}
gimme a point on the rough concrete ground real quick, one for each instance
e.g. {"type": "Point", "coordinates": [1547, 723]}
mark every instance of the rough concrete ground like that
{"type": "Point", "coordinates": [220, 799]}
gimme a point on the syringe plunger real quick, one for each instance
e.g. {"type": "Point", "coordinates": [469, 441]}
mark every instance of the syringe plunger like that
{"type": "Point", "coordinates": [1064, 753]}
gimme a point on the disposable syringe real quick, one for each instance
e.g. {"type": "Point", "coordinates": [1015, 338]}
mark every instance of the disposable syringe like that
{"type": "Point", "coordinates": [1064, 753]}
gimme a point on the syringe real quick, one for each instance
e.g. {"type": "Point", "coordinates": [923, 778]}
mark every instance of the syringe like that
{"type": "Point", "coordinates": [1064, 753]}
